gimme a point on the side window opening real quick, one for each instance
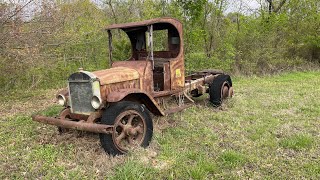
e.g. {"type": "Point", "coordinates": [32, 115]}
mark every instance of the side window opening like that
{"type": "Point", "coordinates": [160, 40]}
{"type": "Point", "coordinates": [121, 46]}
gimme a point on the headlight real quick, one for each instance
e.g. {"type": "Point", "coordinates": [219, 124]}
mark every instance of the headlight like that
{"type": "Point", "coordinates": [96, 102]}
{"type": "Point", "coordinates": [61, 100]}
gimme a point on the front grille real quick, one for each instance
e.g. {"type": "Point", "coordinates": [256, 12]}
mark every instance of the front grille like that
{"type": "Point", "coordinates": [81, 94]}
{"type": "Point", "coordinates": [80, 89]}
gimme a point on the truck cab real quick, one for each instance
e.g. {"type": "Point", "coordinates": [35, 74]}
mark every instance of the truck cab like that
{"type": "Point", "coordinates": [161, 68]}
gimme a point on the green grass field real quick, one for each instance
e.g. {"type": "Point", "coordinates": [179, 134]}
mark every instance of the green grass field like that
{"type": "Point", "coordinates": [270, 129]}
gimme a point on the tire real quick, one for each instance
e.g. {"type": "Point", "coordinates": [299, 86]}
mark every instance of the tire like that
{"type": "Point", "coordinates": [126, 135]}
{"type": "Point", "coordinates": [216, 89]}
{"type": "Point", "coordinates": [212, 71]}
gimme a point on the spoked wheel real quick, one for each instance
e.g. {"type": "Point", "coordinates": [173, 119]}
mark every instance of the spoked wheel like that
{"type": "Point", "coordinates": [133, 127]}
{"type": "Point", "coordinates": [130, 130]}
{"type": "Point", "coordinates": [220, 89]}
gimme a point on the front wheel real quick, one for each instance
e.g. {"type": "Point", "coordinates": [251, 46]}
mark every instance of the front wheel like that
{"type": "Point", "coordinates": [133, 127]}
{"type": "Point", "coordinates": [220, 89]}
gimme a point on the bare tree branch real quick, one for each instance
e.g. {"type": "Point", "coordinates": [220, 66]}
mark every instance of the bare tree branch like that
{"type": "Point", "coordinates": [280, 6]}
{"type": "Point", "coordinates": [272, 7]}
{"type": "Point", "coordinates": [16, 12]}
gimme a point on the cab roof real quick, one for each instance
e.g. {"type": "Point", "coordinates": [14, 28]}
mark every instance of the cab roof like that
{"type": "Point", "coordinates": [159, 23]}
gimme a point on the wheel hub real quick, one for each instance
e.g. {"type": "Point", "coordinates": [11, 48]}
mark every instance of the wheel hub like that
{"type": "Point", "coordinates": [130, 130]}
{"type": "Point", "coordinates": [224, 90]}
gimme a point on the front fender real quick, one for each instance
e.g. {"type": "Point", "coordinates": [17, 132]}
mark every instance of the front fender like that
{"type": "Point", "coordinates": [136, 95]}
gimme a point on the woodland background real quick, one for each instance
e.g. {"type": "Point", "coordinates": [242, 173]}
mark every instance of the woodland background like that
{"type": "Point", "coordinates": [42, 41]}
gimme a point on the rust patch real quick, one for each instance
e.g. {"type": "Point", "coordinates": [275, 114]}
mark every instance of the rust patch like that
{"type": "Point", "coordinates": [116, 75]}
{"type": "Point", "coordinates": [136, 95]}
{"type": "Point", "coordinates": [144, 69]}
{"type": "Point", "coordinates": [94, 116]}
{"type": "Point", "coordinates": [79, 125]}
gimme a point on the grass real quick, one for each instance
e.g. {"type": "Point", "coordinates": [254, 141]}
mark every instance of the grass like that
{"type": "Point", "coordinates": [231, 158]}
{"type": "Point", "coordinates": [270, 129]}
{"type": "Point", "coordinates": [297, 142]}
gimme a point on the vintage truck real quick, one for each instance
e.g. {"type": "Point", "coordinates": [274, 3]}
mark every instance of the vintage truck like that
{"type": "Point", "coordinates": [119, 102]}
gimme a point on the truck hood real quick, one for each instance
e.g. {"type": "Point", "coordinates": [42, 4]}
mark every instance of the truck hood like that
{"type": "Point", "coordinates": [115, 75]}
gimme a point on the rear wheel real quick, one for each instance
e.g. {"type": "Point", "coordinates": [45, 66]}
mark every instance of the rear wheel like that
{"type": "Point", "coordinates": [133, 127]}
{"type": "Point", "coordinates": [220, 89]}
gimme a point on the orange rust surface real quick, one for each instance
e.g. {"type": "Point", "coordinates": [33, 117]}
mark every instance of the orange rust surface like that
{"type": "Point", "coordinates": [144, 69]}
{"type": "Point", "coordinates": [177, 74]}
{"type": "Point", "coordinates": [166, 79]}
{"type": "Point", "coordinates": [172, 21]}
{"type": "Point", "coordinates": [148, 100]}
{"type": "Point", "coordinates": [79, 125]}
{"type": "Point", "coordinates": [108, 88]}
{"type": "Point", "coordinates": [116, 75]}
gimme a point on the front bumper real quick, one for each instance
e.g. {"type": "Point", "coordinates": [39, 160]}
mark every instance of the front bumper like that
{"type": "Point", "coordinates": [78, 125]}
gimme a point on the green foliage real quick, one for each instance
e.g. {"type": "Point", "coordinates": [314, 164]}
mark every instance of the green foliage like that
{"type": "Point", "coordinates": [75, 40]}
{"type": "Point", "coordinates": [192, 9]}
{"type": "Point", "coordinates": [121, 47]}
{"type": "Point", "coordinates": [63, 36]}
{"type": "Point", "coordinates": [199, 61]}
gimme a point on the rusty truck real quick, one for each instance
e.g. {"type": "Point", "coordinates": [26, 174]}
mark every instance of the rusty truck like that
{"type": "Point", "coordinates": [120, 102]}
